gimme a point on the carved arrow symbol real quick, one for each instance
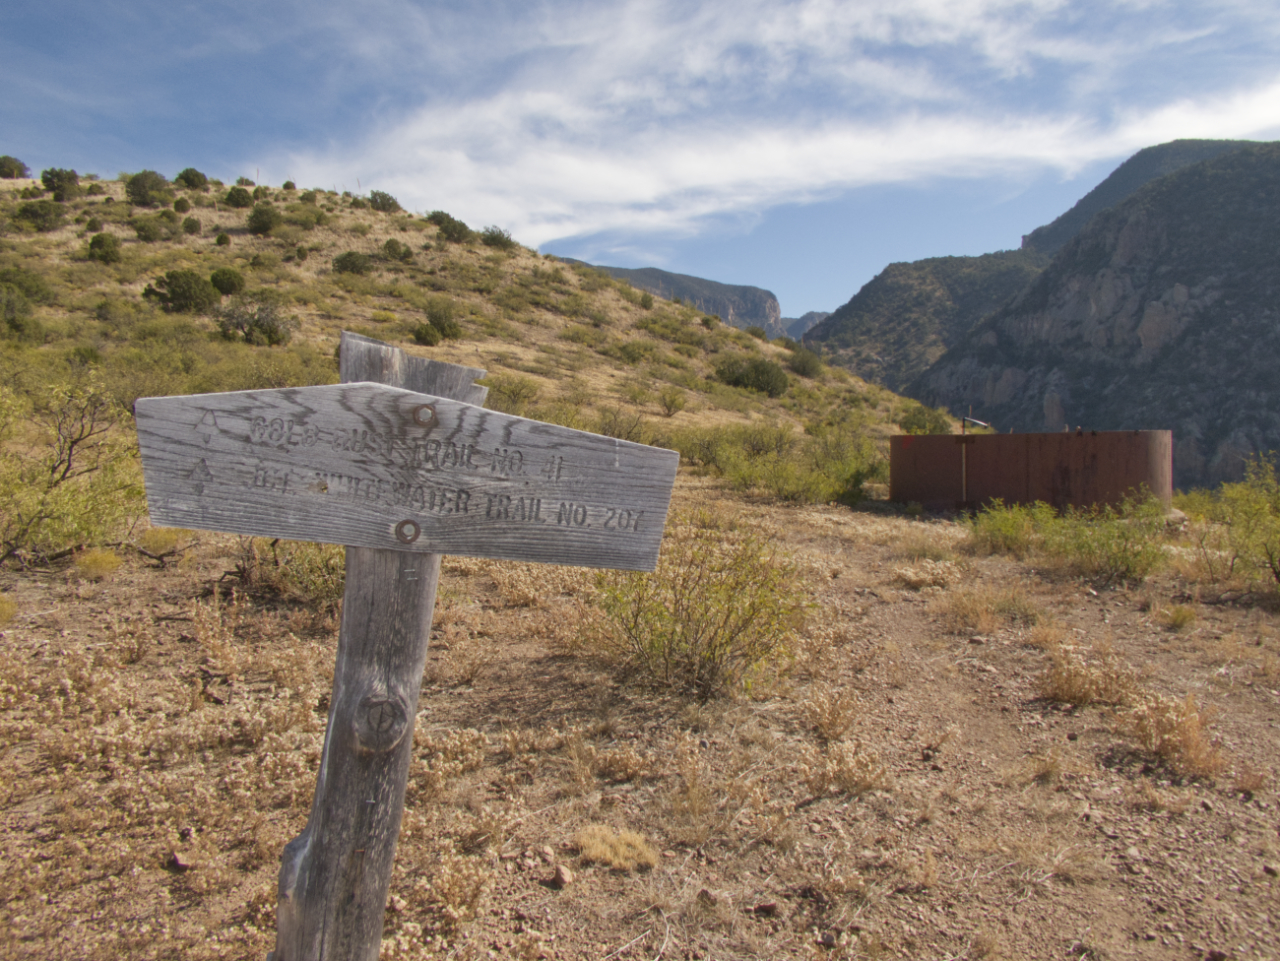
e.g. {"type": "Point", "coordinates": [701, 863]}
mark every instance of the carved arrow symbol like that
{"type": "Point", "coordinates": [207, 426]}
{"type": "Point", "coordinates": [200, 475]}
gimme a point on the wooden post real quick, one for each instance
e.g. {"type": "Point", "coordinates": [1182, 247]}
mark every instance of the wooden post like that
{"type": "Point", "coordinates": [334, 876]}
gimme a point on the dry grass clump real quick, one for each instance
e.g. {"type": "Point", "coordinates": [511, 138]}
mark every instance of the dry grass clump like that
{"type": "Point", "coordinates": [830, 712]}
{"type": "Point", "coordinates": [97, 563]}
{"type": "Point", "coordinates": [8, 609]}
{"type": "Point", "coordinates": [1080, 677]}
{"type": "Point", "coordinates": [928, 573]}
{"type": "Point", "coordinates": [932, 544]}
{"type": "Point", "coordinates": [1178, 618]}
{"type": "Point", "coordinates": [620, 850]}
{"type": "Point", "coordinates": [983, 610]}
{"type": "Point", "coordinates": [536, 585]}
{"type": "Point", "coordinates": [844, 768]}
{"type": "Point", "coordinates": [1176, 730]}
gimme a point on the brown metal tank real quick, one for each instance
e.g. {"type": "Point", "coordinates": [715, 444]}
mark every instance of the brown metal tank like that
{"type": "Point", "coordinates": [1083, 469]}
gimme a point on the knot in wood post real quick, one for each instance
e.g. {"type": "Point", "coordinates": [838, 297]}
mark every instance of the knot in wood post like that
{"type": "Point", "coordinates": [380, 722]}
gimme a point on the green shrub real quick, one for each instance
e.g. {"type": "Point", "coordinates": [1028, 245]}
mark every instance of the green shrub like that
{"type": "Point", "coordinates": [181, 205]}
{"type": "Point", "coordinates": [1010, 529]}
{"type": "Point", "coordinates": [919, 419]}
{"type": "Point", "coordinates": [184, 291]}
{"type": "Point", "coordinates": [352, 263]}
{"type": "Point", "coordinates": [255, 322]}
{"type": "Point", "coordinates": [646, 301]}
{"type": "Point", "coordinates": [192, 179]}
{"type": "Point", "coordinates": [223, 240]}
{"type": "Point", "coordinates": [227, 280]}
{"type": "Point", "coordinates": [93, 225]}
{"type": "Point", "coordinates": [307, 197]}
{"type": "Point", "coordinates": [427, 335]}
{"type": "Point", "coordinates": [805, 362]}
{"type": "Point", "coordinates": [261, 193]}
{"type": "Point", "coordinates": [244, 182]}
{"type": "Point", "coordinates": [288, 185]}
{"type": "Point", "coordinates": [191, 226]}
{"type": "Point", "coordinates": [753, 373]}
{"type": "Point", "coordinates": [757, 332]}
{"type": "Point", "coordinates": [1111, 545]}
{"type": "Point", "coordinates": [105, 248]}
{"type": "Point", "coordinates": [722, 608]}
{"type": "Point", "coordinates": [383, 202]}
{"type": "Point", "coordinates": [711, 321]}
{"type": "Point", "coordinates": [441, 312]}
{"type": "Point", "coordinates": [11, 168]}
{"type": "Point", "coordinates": [511, 393]}
{"type": "Point", "coordinates": [497, 237]}
{"type": "Point", "coordinates": [43, 215]}
{"type": "Point", "coordinates": [15, 312]}
{"type": "Point", "coordinates": [359, 203]}
{"type": "Point", "coordinates": [300, 254]}
{"type": "Point", "coordinates": [148, 229]}
{"type": "Point", "coordinates": [451, 229]}
{"type": "Point", "coordinates": [263, 219]}
{"type": "Point", "coordinates": [65, 184]}
{"type": "Point", "coordinates": [147, 189]}
{"type": "Point", "coordinates": [32, 285]}
{"type": "Point", "coordinates": [394, 250]}
{"type": "Point", "coordinates": [239, 198]}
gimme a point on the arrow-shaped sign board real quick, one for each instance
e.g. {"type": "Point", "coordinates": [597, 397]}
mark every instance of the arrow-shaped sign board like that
{"type": "Point", "coordinates": [369, 465]}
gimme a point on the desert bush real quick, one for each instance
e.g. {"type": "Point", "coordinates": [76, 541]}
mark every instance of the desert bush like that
{"type": "Point", "coordinates": [395, 250]}
{"type": "Point", "coordinates": [352, 263]}
{"type": "Point", "coordinates": [261, 193]}
{"type": "Point", "coordinates": [147, 188]}
{"type": "Point", "coordinates": [148, 229]}
{"type": "Point", "coordinates": [65, 475]}
{"type": "Point", "coordinates": [1110, 545]}
{"type": "Point", "coordinates": [42, 215]}
{"type": "Point", "coordinates": [721, 609]}
{"type": "Point", "coordinates": [93, 225]}
{"type": "Point", "coordinates": [672, 400]}
{"type": "Point", "coordinates": [383, 202]}
{"type": "Point", "coordinates": [34, 287]}
{"type": "Point", "coordinates": [192, 179]}
{"type": "Point", "coordinates": [759, 333]}
{"type": "Point", "coordinates": [104, 248]}
{"type": "Point", "coordinates": [753, 373]}
{"type": "Point", "coordinates": [1175, 730]}
{"type": "Point", "coordinates": [16, 314]}
{"type": "Point", "coordinates": [263, 219]}
{"type": "Point", "coordinates": [64, 184]}
{"type": "Point", "coordinates": [191, 226]}
{"type": "Point", "coordinates": [1009, 529]}
{"type": "Point", "coordinates": [223, 240]}
{"type": "Point", "coordinates": [244, 182]}
{"type": "Point", "coordinates": [11, 168]}
{"type": "Point", "coordinates": [426, 334]}
{"type": "Point", "coordinates": [255, 322]}
{"type": "Point", "coordinates": [288, 185]}
{"type": "Point", "coordinates": [184, 291]}
{"type": "Point", "coordinates": [182, 205]}
{"type": "Point", "coordinates": [1081, 677]}
{"type": "Point", "coordinates": [805, 362]}
{"type": "Point", "coordinates": [451, 229]}
{"type": "Point", "coordinates": [511, 393]}
{"type": "Point", "coordinates": [97, 563]}
{"type": "Point", "coordinates": [1240, 530]}
{"type": "Point", "coordinates": [441, 312]}
{"type": "Point", "coordinates": [497, 237]}
{"type": "Point", "coordinates": [227, 280]}
{"type": "Point", "coordinates": [919, 419]}
{"type": "Point", "coordinates": [238, 197]}
{"type": "Point", "coordinates": [646, 301]}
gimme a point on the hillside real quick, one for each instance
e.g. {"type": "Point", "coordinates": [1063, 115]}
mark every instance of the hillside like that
{"type": "Point", "coordinates": [737, 305]}
{"type": "Point", "coordinates": [1161, 313]}
{"type": "Point", "coordinates": [909, 314]}
{"type": "Point", "coordinates": [1140, 169]}
{"type": "Point", "coordinates": [797, 327]}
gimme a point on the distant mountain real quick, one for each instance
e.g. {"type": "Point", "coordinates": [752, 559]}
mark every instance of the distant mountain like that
{"type": "Point", "coordinates": [1163, 312]}
{"type": "Point", "coordinates": [797, 327]}
{"type": "Point", "coordinates": [907, 316]}
{"type": "Point", "coordinates": [1140, 169]}
{"type": "Point", "coordinates": [738, 306]}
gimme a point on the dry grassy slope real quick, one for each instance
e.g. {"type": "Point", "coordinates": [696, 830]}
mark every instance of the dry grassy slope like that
{"type": "Point", "coordinates": [573, 333]}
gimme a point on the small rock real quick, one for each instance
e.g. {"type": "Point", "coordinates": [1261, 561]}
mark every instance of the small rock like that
{"type": "Point", "coordinates": [1270, 870]}
{"type": "Point", "coordinates": [1072, 736]}
{"type": "Point", "coordinates": [827, 939]}
{"type": "Point", "coordinates": [1216, 955]}
{"type": "Point", "coordinates": [977, 639]}
{"type": "Point", "coordinates": [179, 862]}
{"type": "Point", "coordinates": [1207, 805]}
{"type": "Point", "coordinates": [547, 854]}
{"type": "Point", "coordinates": [668, 854]}
{"type": "Point", "coordinates": [1133, 854]}
{"type": "Point", "coordinates": [397, 903]}
{"type": "Point", "coordinates": [706, 898]}
{"type": "Point", "coordinates": [704, 743]}
{"type": "Point", "coordinates": [562, 878]}
{"type": "Point", "coordinates": [767, 909]}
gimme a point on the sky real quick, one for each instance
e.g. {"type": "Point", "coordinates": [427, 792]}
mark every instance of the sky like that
{"type": "Point", "coordinates": [796, 145]}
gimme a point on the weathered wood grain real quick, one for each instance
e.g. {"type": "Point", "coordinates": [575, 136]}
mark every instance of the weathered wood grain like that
{"type": "Point", "coordinates": [334, 876]}
{"type": "Point", "coordinates": [371, 465]}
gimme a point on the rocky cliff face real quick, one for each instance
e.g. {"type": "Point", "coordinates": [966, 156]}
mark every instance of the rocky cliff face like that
{"type": "Point", "coordinates": [1163, 312]}
{"type": "Point", "coordinates": [797, 327]}
{"type": "Point", "coordinates": [907, 316]}
{"type": "Point", "coordinates": [739, 306]}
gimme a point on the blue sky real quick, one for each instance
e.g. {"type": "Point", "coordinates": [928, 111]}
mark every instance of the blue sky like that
{"type": "Point", "coordinates": [799, 146]}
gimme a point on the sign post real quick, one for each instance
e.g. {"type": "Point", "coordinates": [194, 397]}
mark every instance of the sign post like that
{"type": "Point", "coordinates": [401, 465]}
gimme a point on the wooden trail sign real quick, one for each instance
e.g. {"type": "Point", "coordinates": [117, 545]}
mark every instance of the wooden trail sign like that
{"type": "Point", "coordinates": [369, 465]}
{"type": "Point", "coordinates": [398, 463]}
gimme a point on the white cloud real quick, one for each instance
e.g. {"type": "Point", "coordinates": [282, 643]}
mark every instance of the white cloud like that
{"type": "Point", "coordinates": [654, 116]}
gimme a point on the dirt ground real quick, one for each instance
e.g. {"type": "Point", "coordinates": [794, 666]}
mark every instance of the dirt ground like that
{"type": "Point", "coordinates": [905, 789]}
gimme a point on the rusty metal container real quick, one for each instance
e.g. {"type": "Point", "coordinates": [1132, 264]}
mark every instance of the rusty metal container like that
{"type": "Point", "coordinates": [1084, 469]}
